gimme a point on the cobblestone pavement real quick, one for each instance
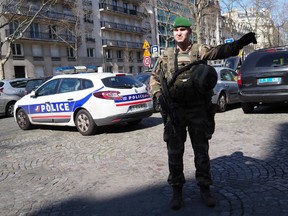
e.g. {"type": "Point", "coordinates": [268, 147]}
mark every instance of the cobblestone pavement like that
{"type": "Point", "coordinates": [122, 171]}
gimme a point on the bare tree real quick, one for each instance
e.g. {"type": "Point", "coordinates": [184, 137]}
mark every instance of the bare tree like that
{"type": "Point", "coordinates": [196, 10]}
{"type": "Point", "coordinates": [69, 30]}
{"type": "Point", "coordinates": [20, 16]}
{"type": "Point", "coordinates": [227, 9]}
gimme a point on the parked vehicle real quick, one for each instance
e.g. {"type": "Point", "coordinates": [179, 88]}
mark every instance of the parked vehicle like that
{"type": "Point", "coordinates": [86, 100]}
{"type": "Point", "coordinates": [263, 78]}
{"type": "Point", "coordinates": [34, 83]}
{"type": "Point", "coordinates": [226, 89]}
{"type": "Point", "coordinates": [145, 78]}
{"type": "Point", "coordinates": [10, 92]}
{"type": "Point", "coordinates": [234, 62]}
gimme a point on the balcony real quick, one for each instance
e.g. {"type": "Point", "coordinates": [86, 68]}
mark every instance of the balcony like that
{"type": "Point", "coordinates": [44, 14]}
{"type": "Point", "coordinates": [120, 10]}
{"type": "Point", "coordinates": [68, 2]}
{"type": "Point", "coordinates": [38, 58]}
{"type": "Point", "coordinates": [55, 58]}
{"type": "Point", "coordinates": [122, 44]}
{"type": "Point", "coordinates": [40, 36]}
{"type": "Point", "coordinates": [87, 3]}
{"type": "Point", "coordinates": [89, 39]}
{"type": "Point", "coordinates": [121, 27]}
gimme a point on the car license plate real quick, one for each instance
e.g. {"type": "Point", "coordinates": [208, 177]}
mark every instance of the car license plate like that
{"type": "Point", "coordinates": [137, 107]}
{"type": "Point", "coordinates": [270, 80]}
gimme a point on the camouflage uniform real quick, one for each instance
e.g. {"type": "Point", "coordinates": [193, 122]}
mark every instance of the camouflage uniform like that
{"type": "Point", "coordinates": [192, 112]}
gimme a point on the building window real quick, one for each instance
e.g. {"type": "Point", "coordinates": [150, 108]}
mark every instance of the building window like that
{"type": "Point", "coordinates": [89, 36]}
{"type": "Point", "coordinates": [131, 69]}
{"type": "Point", "coordinates": [88, 17]}
{"type": "Point", "coordinates": [55, 54]}
{"type": "Point", "coordinates": [37, 50]}
{"type": "Point", "coordinates": [108, 54]}
{"type": "Point", "coordinates": [70, 52]}
{"type": "Point", "coordinates": [109, 69]}
{"type": "Point", "coordinates": [52, 32]}
{"type": "Point", "coordinates": [140, 69]}
{"type": "Point", "coordinates": [13, 26]}
{"type": "Point", "coordinates": [70, 36]}
{"type": "Point", "coordinates": [139, 56]}
{"type": "Point", "coordinates": [125, 5]}
{"type": "Point", "coordinates": [90, 52]}
{"type": "Point", "coordinates": [115, 4]}
{"type": "Point", "coordinates": [119, 54]}
{"type": "Point", "coordinates": [130, 56]}
{"type": "Point", "coordinates": [35, 30]}
{"type": "Point", "coordinates": [17, 50]}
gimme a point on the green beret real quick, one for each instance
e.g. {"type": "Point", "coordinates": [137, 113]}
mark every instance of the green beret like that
{"type": "Point", "coordinates": [181, 22]}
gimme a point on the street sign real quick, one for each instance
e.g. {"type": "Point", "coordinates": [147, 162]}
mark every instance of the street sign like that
{"type": "Point", "coordinates": [228, 40]}
{"type": "Point", "coordinates": [147, 61]}
{"type": "Point", "coordinates": [155, 51]}
{"type": "Point", "coordinates": [146, 45]}
{"type": "Point", "coordinates": [146, 53]}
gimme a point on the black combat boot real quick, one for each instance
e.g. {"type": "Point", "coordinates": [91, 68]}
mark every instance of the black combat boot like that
{"type": "Point", "coordinates": [206, 196]}
{"type": "Point", "coordinates": [177, 199]}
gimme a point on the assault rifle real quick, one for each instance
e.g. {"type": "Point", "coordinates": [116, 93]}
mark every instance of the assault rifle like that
{"type": "Point", "coordinates": [167, 105]}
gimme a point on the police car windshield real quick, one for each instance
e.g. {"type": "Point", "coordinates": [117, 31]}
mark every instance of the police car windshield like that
{"type": "Point", "coordinates": [121, 82]}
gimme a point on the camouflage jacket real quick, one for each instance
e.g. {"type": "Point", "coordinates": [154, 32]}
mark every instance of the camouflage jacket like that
{"type": "Point", "coordinates": [195, 52]}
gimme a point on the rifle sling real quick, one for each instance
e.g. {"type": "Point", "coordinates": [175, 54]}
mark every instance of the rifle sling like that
{"type": "Point", "coordinates": [185, 68]}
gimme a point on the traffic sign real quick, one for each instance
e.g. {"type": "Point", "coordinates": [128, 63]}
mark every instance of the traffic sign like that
{"type": "Point", "coordinates": [146, 45]}
{"type": "Point", "coordinates": [147, 61]}
{"type": "Point", "coordinates": [146, 53]}
{"type": "Point", "coordinates": [155, 51]}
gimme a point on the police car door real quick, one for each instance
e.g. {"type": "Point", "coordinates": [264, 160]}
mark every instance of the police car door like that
{"type": "Point", "coordinates": [40, 110]}
{"type": "Point", "coordinates": [62, 105]}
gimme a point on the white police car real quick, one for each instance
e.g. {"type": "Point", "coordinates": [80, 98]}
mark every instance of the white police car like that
{"type": "Point", "coordinates": [86, 100]}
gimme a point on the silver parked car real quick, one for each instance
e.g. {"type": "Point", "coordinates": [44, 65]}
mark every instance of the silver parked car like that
{"type": "Point", "coordinates": [226, 89]}
{"type": "Point", "coordinates": [10, 92]}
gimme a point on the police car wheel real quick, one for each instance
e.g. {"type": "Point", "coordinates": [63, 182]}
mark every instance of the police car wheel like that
{"type": "Point", "coordinates": [23, 120]}
{"type": "Point", "coordinates": [85, 123]}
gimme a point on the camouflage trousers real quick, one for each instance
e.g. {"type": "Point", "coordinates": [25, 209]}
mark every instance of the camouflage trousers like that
{"type": "Point", "coordinates": [195, 121]}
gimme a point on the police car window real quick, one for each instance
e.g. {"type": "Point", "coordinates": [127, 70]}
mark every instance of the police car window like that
{"type": "Point", "coordinates": [121, 82]}
{"type": "Point", "coordinates": [87, 84]}
{"type": "Point", "coordinates": [48, 88]}
{"type": "Point", "coordinates": [69, 85]}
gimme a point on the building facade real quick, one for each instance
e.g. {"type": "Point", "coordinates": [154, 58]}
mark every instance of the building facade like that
{"type": "Point", "coordinates": [107, 34]}
{"type": "Point", "coordinates": [110, 33]}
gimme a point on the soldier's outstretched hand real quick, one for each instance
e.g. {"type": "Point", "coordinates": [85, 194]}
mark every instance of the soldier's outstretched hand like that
{"type": "Point", "coordinates": [247, 39]}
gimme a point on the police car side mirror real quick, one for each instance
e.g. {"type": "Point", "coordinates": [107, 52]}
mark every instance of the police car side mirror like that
{"type": "Point", "coordinates": [33, 94]}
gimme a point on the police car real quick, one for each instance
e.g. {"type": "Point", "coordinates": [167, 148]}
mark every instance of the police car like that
{"type": "Point", "coordinates": [86, 100]}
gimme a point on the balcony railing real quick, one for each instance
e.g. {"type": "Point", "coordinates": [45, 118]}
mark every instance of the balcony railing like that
{"type": "Point", "coordinates": [44, 14]}
{"type": "Point", "coordinates": [118, 43]}
{"type": "Point", "coordinates": [44, 36]}
{"type": "Point", "coordinates": [121, 27]}
{"type": "Point", "coordinates": [109, 7]}
{"type": "Point", "coordinates": [87, 2]}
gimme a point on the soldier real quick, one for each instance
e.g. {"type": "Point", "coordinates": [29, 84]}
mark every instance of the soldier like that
{"type": "Point", "coordinates": [189, 90]}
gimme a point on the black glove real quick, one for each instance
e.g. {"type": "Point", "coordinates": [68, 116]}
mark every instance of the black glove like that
{"type": "Point", "coordinates": [247, 39]}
